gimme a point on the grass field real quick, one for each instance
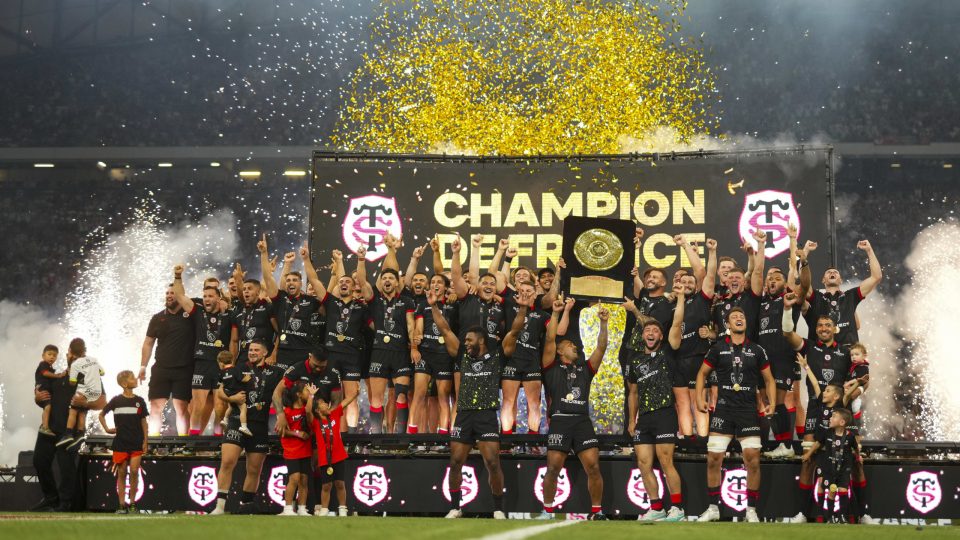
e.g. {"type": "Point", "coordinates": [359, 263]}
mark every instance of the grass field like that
{"type": "Point", "coordinates": [105, 526]}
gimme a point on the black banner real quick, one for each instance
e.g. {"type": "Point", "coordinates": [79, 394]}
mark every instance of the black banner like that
{"type": "Point", "coordinates": [358, 199]}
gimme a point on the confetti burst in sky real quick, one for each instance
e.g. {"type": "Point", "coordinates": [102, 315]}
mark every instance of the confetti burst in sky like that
{"type": "Point", "coordinates": [525, 77]}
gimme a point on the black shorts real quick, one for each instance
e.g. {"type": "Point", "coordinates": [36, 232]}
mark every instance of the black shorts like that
{"type": "Point", "coordinates": [736, 422]}
{"type": "Point", "coordinates": [326, 476]}
{"type": "Point", "coordinates": [657, 427]}
{"type": "Point", "coordinates": [814, 407]}
{"type": "Point", "coordinates": [290, 357]}
{"type": "Point", "coordinates": [571, 431]}
{"type": "Point", "coordinates": [206, 375]}
{"type": "Point", "coordinates": [299, 466]}
{"type": "Point", "coordinates": [473, 426]}
{"type": "Point", "coordinates": [166, 382]}
{"type": "Point", "coordinates": [259, 443]}
{"type": "Point", "coordinates": [521, 369]}
{"type": "Point", "coordinates": [784, 370]}
{"type": "Point", "coordinates": [386, 364]}
{"type": "Point", "coordinates": [348, 364]}
{"type": "Point", "coordinates": [829, 476]}
{"type": "Point", "coordinates": [685, 371]}
{"type": "Point", "coordinates": [438, 366]}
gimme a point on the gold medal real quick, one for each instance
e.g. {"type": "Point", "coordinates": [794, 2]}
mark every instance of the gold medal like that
{"type": "Point", "coordinates": [341, 337]}
{"type": "Point", "coordinates": [283, 337]}
{"type": "Point", "coordinates": [736, 387]}
{"type": "Point", "coordinates": [440, 340]}
{"type": "Point", "coordinates": [218, 343]}
{"type": "Point", "coordinates": [386, 339]}
{"type": "Point", "coordinates": [570, 396]}
{"type": "Point", "coordinates": [329, 470]}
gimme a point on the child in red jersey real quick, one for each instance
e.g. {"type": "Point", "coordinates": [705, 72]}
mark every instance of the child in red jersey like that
{"type": "Point", "coordinates": [331, 453]}
{"type": "Point", "coordinates": [295, 439]}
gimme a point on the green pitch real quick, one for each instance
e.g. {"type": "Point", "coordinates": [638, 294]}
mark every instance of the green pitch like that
{"type": "Point", "coordinates": [60, 526]}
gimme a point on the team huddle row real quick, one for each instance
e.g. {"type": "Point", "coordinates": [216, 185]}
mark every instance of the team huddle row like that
{"type": "Point", "coordinates": [716, 355]}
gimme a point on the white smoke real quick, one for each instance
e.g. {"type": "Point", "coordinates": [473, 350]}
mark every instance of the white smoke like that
{"type": "Point", "coordinates": [877, 332]}
{"type": "Point", "coordinates": [120, 285]}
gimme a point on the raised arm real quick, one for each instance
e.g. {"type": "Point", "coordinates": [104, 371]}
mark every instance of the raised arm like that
{"type": "Point", "coordinates": [696, 265]}
{"type": "Point", "coordinates": [510, 340]}
{"type": "Point", "coordinates": [412, 266]}
{"type": "Point", "coordinates": [266, 268]}
{"type": "Point", "coordinates": [437, 259]}
{"type": "Point", "coordinates": [474, 263]}
{"type": "Point", "coordinates": [390, 260]}
{"type": "Point", "coordinates": [676, 331]}
{"type": "Point", "coordinates": [790, 300]}
{"type": "Point", "coordinates": [503, 276]}
{"type": "Point", "coordinates": [549, 354]}
{"type": "Point", "coordinates": [450, 339]}
{"type": "Point", "coordinates": [814, 383]}
{"type": "Point", "coordinates": [759, 258]}
{"type": "Point", "coordinates": [456, 270]}
{"type": "Point", "coordinates": [362, 274]}
{"type": "Point", "coordinates": [311, 272]}
{"type": "Point", "coordinates": [551, 295]}
{"type": "Point", "coordinates": [806, 278]}
{"type": "Point", "coordinates": [876, 272]}
{"type": "Point", "coordinates": [565, 319]}
{"type": "Point", "coordinates": [792, 274]}
{"type": "Point", "coordinates": [637, 277]}
{"type": "Point", "coordinates": [597, 357]}
{"type": "Point", "coordinates": [185, 301]}
{"type": "Point", "coordinates": [747, 248]}
{"type": "Point", "coordinates": [287, 266]}
{"type": "Point", "coordinates": [502, 247]}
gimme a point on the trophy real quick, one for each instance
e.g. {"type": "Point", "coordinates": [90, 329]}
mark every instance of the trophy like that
{"type": "Point", "coordinates": [599, 257]}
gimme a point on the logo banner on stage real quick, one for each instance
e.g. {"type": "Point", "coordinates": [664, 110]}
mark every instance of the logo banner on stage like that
{"type": "Point", "coordinates": [358, 200]}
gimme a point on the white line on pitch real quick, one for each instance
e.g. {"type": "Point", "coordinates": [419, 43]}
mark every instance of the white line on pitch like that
{"type": "Point", "coordinates": [527, 532]}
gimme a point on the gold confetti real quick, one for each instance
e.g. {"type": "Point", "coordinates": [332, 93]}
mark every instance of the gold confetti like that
{"type": "Point", "coordinates": [732, 188]}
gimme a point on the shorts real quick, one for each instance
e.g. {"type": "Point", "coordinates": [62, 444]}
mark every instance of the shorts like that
{"type": "Point", "coordinates": [327, 476]}
{"type": "Point", "coordinates": [206, 375]}
{"type": "Point", "coordinates": [299, 466]}
{"type": "Point", "coordinates": [438, 366]}
{"type": "Point", "coordinates": [259, 443]}
{"type": "Point", "coordinates": [386, 364]}
{"type": "Point", "coordinates": [289, 357]}
{"type": "Point", "coordinates": [521, 369]}
{"type": "Point", "coordinates": [784, 370]}
{"type": "Point", "coordinates": [813, 416]}
{"type": "Point", "coordinates": [736, 422]}
{"type": "Point", "coordinates": [473, 426]}
{"type": "Point", "coordinates": [657, 427]}
{"type": "Point", "coordinates": [829, 476]}
{"type": "Point", "coordinates": [166, 382]}
{"type": "Point", "coordinates": [348, 364]}
{"type": "Point", "coordinates": [574, 431]}
{"type": "Point", "coordinates": [685, 371]}
{"type": "Point", "coordinates": [121, 457]}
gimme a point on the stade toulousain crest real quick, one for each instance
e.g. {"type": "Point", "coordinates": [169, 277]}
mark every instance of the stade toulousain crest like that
{"type": "Point", "coordinates": [770, 211]}
{"type": "Point", "coordinates": [637, 492]}
{"type": "Point", "coordinates": [733, 491]}
{"type": "Point", "coordinates": [923, 491]}
{"type": "Point", "coordinates": [277, 484]}
{"type": "Point", "coordinates": [367, 222]}
{"type": "Point", "coordinates": [469, 486]}
{"type": "Point", "coordinates": [202, 486]}
{"type": "Point", "coordinates": [563, 486]}
{"type": "Point", "coordinates": [370, 485]}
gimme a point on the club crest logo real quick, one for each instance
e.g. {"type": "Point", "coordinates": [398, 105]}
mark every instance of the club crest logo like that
{"type": "Point", "coordinates": [367, 222]}
{"type": "Point", "coordinates": [140, 487]}
{"type": "Point", "coordinates": [277, 484]}
{"type": "Point", "coordinates": [202, 486]}
{"type": "Point", "coordinates": [828, 375]}
{"type": "Point", "coordinates": [211, 337]}
{"type": "Point", "coordinates": [923, 491]}
{"type": "Point", "coordinates": [295, 324]}
{"type": "Point", "coordinates": [469, 486]}
{"type": "Point", "coordinates": [563, 486]}
{"type": "Point", "coordinates": [770, 211]}
{"type": "Point", "coordinates": [636, 491]}
{"type": "Point", "coordinates": [733, 491]}
{"type": "Point", "coordinates": [370, 485]}
{"type": "Point", "coordinates": [477, 366]}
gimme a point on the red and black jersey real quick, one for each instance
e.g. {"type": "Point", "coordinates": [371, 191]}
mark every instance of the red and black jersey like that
{"type": "Point", "coordinates": [212, 331]}
{"type": "Point", "coordinates": [696, 313]}
{"type": "Point", "coordinates": [770, 328]}
{"type": "Point", "coordinates": [345, 322]}
{"type": "Point", "coordinates": [389, 317]}
{"type": "Point", "coordinates": [745, 300]}
{"type": "Point", "coordinates": [330, 449]}
{"type": "Point", "coordinates": [530, 340]}
{"type": "Point", "coordinates": [488, 315]}
{"type": "Point", "coordinates": [432, 340]}
{"type": "Point", "coordinates": [738, 370]}
{"type": "Point", "coordinates": [128, 415]}
{"type": "Point", "coordinates": [294, 315]}
{"type": "Point", "coordinates": [568, 387]}
{"type": "Point", "coordinates": [254, 322]}
{"type": "Point", "coordinates": [830, 364]}
{"type": "Point", "coordinates": [326, 380]}
{"type": "Point", "coordinates": [840, 306]}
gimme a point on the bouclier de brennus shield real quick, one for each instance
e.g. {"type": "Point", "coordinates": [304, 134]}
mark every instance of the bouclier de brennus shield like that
{"type": "Point", "coordinates": [367, 222]}
{"type": "Point", "coordinates": [370, 485]}
{"type": "Point", "coordinates": [771, 211]}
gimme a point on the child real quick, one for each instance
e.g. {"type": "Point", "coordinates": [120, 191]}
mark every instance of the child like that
{"type": "Point", "coordinates": [838, 451]}
{"type": "Point", "coordinates": [43, 379]}
{"type": "Point", "coordinates": [295, 439]}
{"type": "Point", "coordinates": [330, 452]}
{"type": "Point", "coordinates": [225, 361]}
{"type": "Point", "coordinates": [85, 372]}
{"type": "Point", "coordinates": [130, 418]}
{"type": "Point", "coordinates": [236, 379]}
{"type": "Point", "coordinates": [859, 380]}
{"type": "Point", "coordinates": [832, 397]}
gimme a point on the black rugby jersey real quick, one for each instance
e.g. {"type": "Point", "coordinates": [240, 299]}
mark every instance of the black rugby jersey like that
{"type": "Point", "coordinates": [841, 307]}
{"type": "Point", "coordinates": [345, 322]}
{"type": "Point", "coordinates": [568, 387]}
{"type": "Point", "coordinates": [830, 364]}
{"type": "Point", "coordinates": [295, 315]}
{"type": "Point", "coordinates": [479, 383]}
{"type": "Point", "coordinates": [390, 321]}
{"type": "Point", "coordinates": [738, 370]}
{"type": "Point", "coordinates": [650, 371]}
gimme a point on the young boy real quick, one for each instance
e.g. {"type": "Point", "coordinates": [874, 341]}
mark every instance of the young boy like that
{"type": "Point", "coordinates": [235, 379]}
{"type": "Point", "coordinates": [43, 379]}
{"type": "Point", "coordinates": [330, 452]}
{"type": "Point", "coordinates": [225, 361]}
{"type": "Point", "coordinates": [130, 418]}
{"type": "Point", "coordinates": [838, 451]}
{"type": "Point", "coordinates": [859, 379]}
{"type": "Point", "coordinates": [85, 372]}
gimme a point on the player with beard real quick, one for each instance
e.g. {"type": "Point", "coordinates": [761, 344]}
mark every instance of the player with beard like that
{"type": "Point", "coordinates": [523, 366]}
{"type": "Point", "coordinates": [652, 418]}
{"type": "Point", "coordinates": [829, 363]}
{"type": "Point", "coordinates": [172, 371]}
{"type": "Point", "coordinates": [257, 396]}
{"type": "Point", "coordinates": [567, 377]}
{"type": "Point", "coordinates": [394, 347]}
{"type": "Point", "coordinates": [840, 305]}
{"type": "Point", "coordinates": [212, 334]}
{"type": "Point", "coordinates": [254, 318]}
{"type": "Point", "coordinates": [740, 365]}
{"type": "Point", "coordinates": [436, 364]}
{"type": "Point", "coordinates": [481, 309]}
{"type": "Point", "coordinates": [295, 310]}
{"type": "Point", "coordinates": [478, 401]}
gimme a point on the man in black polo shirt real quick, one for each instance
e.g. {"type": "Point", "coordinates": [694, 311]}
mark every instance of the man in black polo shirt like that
{"type": "Point", "coordinates": [740, 365]}
{"type": "Point", "coordinates": [567, 378]}
{"type": "Point", "coordinates": [841, 306]}
{"type": "Point", "coordinates": [172, 373]}
{"type": "Point", "coordinates": [65, 497]}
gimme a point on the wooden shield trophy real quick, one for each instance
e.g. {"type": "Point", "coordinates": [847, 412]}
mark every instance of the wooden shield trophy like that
{"type": "Point", "coordinates": [599, 256]}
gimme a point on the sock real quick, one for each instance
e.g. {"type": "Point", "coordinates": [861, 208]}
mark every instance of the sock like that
{"type": "Point", "coordinates": [376, 419]}
{"type": "Point", "coordinates": [403, 414]}
{"type": "Point", "coordinates": [288, 507]}
{"type": "Point", "coordinates": [860, 493]}
{"type": "Point", "coordinates": [533, 432]}
{"type": "Point", "coordinates": [247, 497]}
{"type": "Point", "coordinates": [218, 431]}
{"type": "Point", "coordinates": [595, 509]}
{"type": "Point", "coordinates": [411, 429]}
{"type": "Point", "coordinates": [194, 432]}
{"type": "Point", "coordinates": [498, 503]}
{"type": "Point", "coordinates": [548, 508]}
{"type": "Point", "coordinates": [676, 499]}
{"type": "Point", "coordinates": [443, 431]}
{"type": "Point", "coordinates": [844, 511]}
{"type": "Point", "coordinates": [221, 499]}
{"type": "Point", "coordinates": [792, 418]}
{"type": "Point", "coordinates": [753, 496]}
{"type": "Point", "coordinates": [713, 495]}
{"type": "Point", "coordinates": [506, 432]}
{"type": "Point", "coordinates": [800, 431]}
{"type": "Point", "coordinates": [806, 499]}
{"type": "Point", "coordinates": [455, 498]}
{"type": "Point", "coordinates": [656, 504]}
{"type": "Point", "coordinates": [781, 430]}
